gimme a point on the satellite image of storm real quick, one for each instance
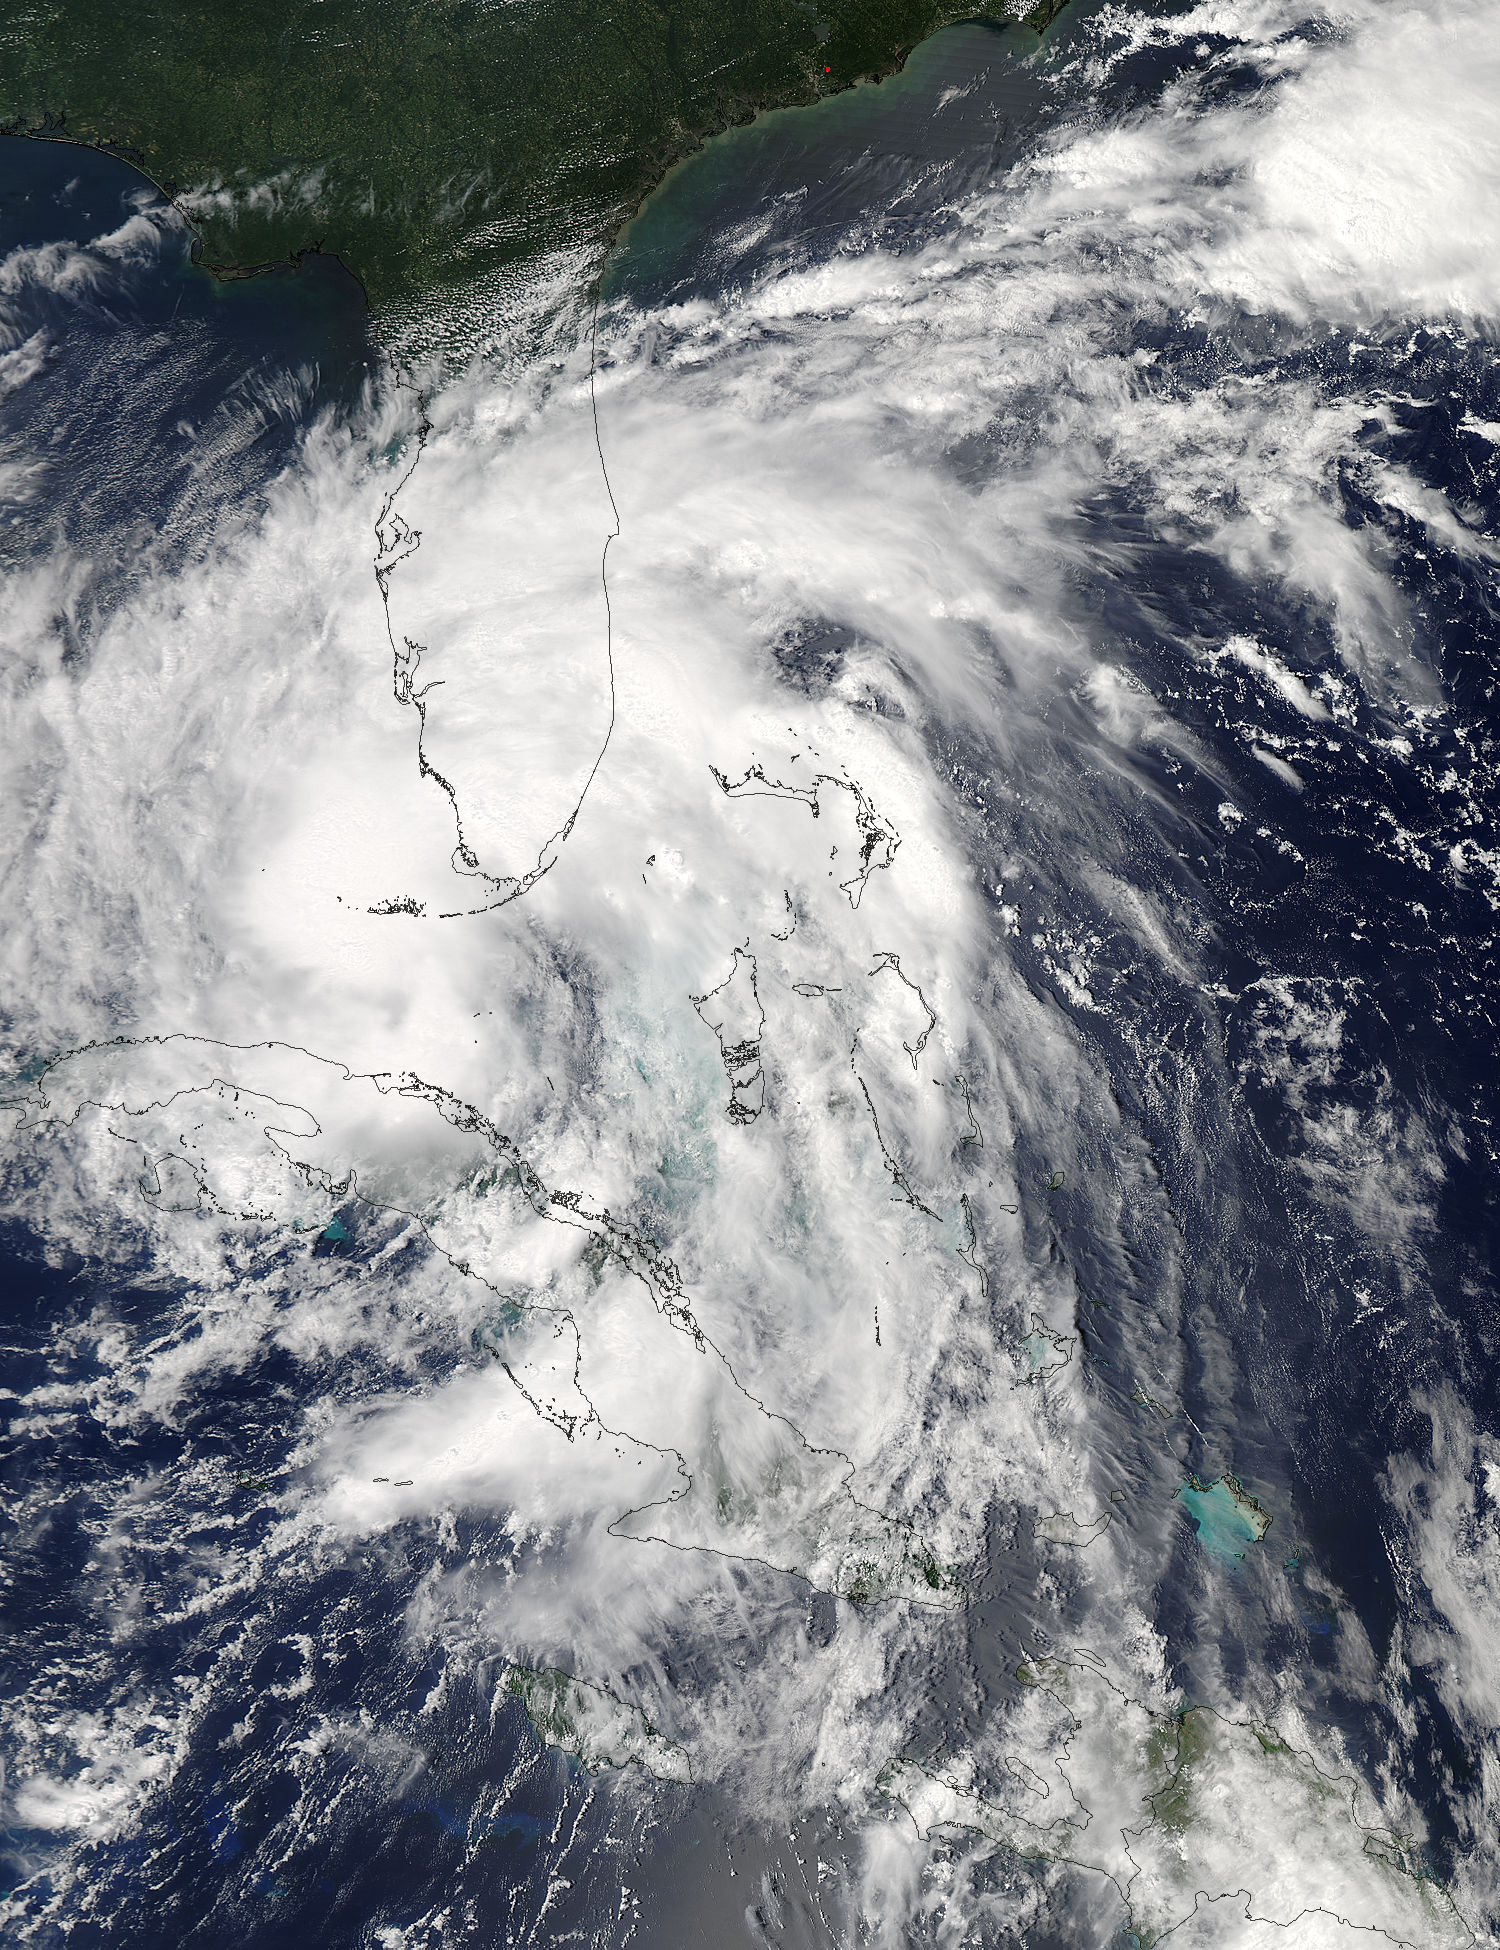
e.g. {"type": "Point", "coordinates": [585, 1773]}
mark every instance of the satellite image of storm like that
{"type": "Point", "coordinates": [749, 1071]}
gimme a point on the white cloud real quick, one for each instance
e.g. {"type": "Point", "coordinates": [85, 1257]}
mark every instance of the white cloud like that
{"type": "Point", "coordinates": [201, 815]}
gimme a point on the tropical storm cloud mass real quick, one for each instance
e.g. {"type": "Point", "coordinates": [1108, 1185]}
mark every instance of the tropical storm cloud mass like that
{"type": "Point", "coordinates": [750, 1066]}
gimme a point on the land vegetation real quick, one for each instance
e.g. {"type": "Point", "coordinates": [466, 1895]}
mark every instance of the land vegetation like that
{"type": "Point", "coordinates": [430, 143]}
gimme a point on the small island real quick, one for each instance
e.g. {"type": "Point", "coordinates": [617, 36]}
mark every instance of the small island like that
{"type": "Point", "coordinates": [1227, 1517]}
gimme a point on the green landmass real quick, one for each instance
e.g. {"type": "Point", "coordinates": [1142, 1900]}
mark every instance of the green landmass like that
{"type": "Point", "coordinates": [431, 143]}
{"type": "Point", "coordinates": [1178, 1807]}
{"type": "Point", "coordinates": [594, 1725]}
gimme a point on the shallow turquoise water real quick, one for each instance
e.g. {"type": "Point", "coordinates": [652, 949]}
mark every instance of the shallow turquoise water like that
{"type": "Point", "coordinates": [1228, 1521]}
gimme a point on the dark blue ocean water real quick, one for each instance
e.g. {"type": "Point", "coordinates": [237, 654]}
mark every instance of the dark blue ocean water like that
{"type": "Point", "coordinates": [159, 406]}
{"type": "Point", "coordinates": [1310, 1343]}
{"type": "Point", "coordinates": [164, 397]}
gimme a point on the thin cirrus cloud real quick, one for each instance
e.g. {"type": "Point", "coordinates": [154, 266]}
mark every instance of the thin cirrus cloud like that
{"type": "Point", "coordinates": [218, 826]}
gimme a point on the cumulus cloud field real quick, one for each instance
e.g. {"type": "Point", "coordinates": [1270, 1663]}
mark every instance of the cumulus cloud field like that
{"type": "Point", "coordinates": [586, 834]}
